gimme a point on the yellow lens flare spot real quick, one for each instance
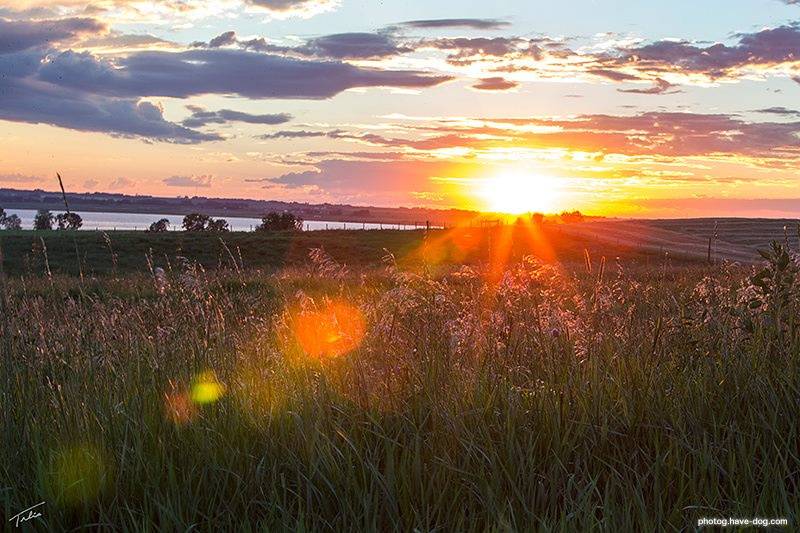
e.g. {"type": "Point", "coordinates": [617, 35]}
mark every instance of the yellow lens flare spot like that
{"type": "Point", "coordinates": [334, 330]}
{"type": "Point", "coordinates": [78, 475]}
{"type": "Point", "coordinates": [520, 193]}
{"type": "Point", "coordinates": [206, 389]}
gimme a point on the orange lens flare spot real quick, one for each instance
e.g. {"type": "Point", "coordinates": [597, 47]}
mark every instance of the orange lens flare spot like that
{"type": "Point", "coordinates": [179, 408]}
{"type": "Point", "coordinates": [334, 330]}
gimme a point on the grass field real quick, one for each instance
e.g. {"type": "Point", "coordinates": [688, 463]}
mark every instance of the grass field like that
{"type": "Point", "coordinates": [441, 390]}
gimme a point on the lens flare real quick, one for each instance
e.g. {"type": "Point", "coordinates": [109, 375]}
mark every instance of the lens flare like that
{"type": "Point", "coordinates": [332, 331]}
{"type": "Point", "coordinates": [179, 407]}
{"type": "Point", "coordinates": [78, 474]}
{"type": "Point", "coordinates": [206, 389]}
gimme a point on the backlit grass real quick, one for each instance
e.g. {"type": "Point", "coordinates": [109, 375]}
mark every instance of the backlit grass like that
{"type": "Point", "coordinates": [620, 398]}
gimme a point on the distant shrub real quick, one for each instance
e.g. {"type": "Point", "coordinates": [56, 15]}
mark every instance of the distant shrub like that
{"type": "Point", "coordinates": [200, 222]}
{"type": "Point", "coordinates": [159, 226]}
{"type": "Point", "coordinates": [571, 217]}
{"type": "Point", "coordinates": [69, 221]}
{"type": "Point", "coordinates": [217, 224]}
{"type": "Point", "coordinates": [11, 222]}
{"type": "Point", "coordinates": [280, 222]}
{"type": "Point", "coordinates": [43, 220]}
{"type": "Point", "coordinates": [195, 222]}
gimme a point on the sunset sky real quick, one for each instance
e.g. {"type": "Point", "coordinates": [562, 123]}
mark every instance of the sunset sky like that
{"type": "Point", "coordinates": [625, 107]}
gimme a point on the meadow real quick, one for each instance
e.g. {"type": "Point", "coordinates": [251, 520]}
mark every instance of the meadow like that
{"type": "Point", "coordinates": [120, 252]}
{"type": "Point", "coordinates": [429, 382]}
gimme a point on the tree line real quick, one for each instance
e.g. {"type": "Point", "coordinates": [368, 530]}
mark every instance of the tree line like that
{"type": "Point", "coordinates": [44, 220]}
{"type": "Point", "coordinates": [272, 221]}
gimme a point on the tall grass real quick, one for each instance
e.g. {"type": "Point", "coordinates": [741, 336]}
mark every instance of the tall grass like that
{"type": "Point", "coordinates": [605, 398]}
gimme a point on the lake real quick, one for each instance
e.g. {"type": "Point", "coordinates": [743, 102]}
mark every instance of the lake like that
{"type": "Point", "coordinates": [140, 221]}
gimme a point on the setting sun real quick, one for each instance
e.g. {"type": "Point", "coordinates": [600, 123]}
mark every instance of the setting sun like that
{"type": "Point", "coordinates": [520, 193]}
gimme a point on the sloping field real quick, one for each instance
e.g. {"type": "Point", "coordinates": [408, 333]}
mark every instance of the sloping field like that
{"type": "Point", "coordinates": [752, 233]}
{"type": "Point", "coordinates": [649, 236]}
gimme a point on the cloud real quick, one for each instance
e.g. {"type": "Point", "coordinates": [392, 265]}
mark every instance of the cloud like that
{"type": "Point", "coordinates": [84, 92]}
{"type": "Point", "coordinates": [223, 39]}
{"type": "Point", "coordinates": [116, 41]}
{"type": "Point", "coordinates": [303, 8]}
{"type": "Point", "coordinates": [471, 23]}
{"type": "Point", "coordinates": [355, 45]}
{"type": "Point", "coordinates": [200, 117]}
{"type": "Point", "coordinates": [779, 111]}
{"type": "Point", "coordinates": [158, 11]}
{"type": "Point", "coordinates": [293, 134]}
{"type": "Point", "coordinates": [495, 84]}
{"type": "Point", "coordinates": [18, 178]}
{"type": "Point", "coordinates": [203, 181]}
{"type": "Point", "coordinates": [767, 49]}
{"type": "Point", "coordinates": [613, 75]}
{"type": "Point", "coordinates": [770, 51]}
{"type": "Point", "coordinates": [655, 134]}
{"type": "Point", "coordinates": [465, 51]}
{"type": "Point", "coordinates": [18, 35]}
{"type": "Point", "coordinates": [26, 100]}
{"type": "Point", "coordinates": [664, 63]}
{"type": "Point", "coordinates": [121, 183]}
{"type": "Point", "coordinates": [372, 139]}
{"type": "Point", "coordinates": [659, 87]}
{"type": "Point", "coordinates": [219, 71]}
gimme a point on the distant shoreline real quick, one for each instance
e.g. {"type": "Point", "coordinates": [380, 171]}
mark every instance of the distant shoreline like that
{"type": "Point", "coordinates": [220, 213]}
{"type": "Point", "coordinates": [78, 207]}
{"type": "Point", "coordinates": [224, 207]}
